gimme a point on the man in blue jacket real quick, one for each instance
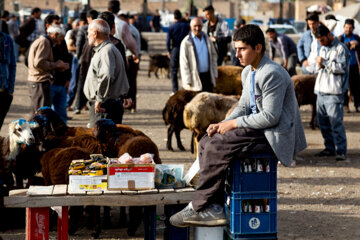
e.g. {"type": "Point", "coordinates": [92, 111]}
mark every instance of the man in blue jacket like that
{"type": "Point", "coordinates": [308, 47]}
{"type": "Point", "coordinates": [7, 74]}
{"type": "Point", "coordinates": [176, 34]}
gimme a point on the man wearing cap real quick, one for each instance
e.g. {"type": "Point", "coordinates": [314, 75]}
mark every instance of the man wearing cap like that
{"type": "Point", "coordinates": [330, 22]}
{"type": "Point", "coordinates": [308, 47]}
{"type": "Point", "coordinates": [352, 42]}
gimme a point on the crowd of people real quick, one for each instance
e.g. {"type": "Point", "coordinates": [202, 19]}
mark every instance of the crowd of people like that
{"type": "Point", "coordinates": [97, 59]}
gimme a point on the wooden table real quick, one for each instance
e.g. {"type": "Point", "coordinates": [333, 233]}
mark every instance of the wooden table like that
{"type": "Point", "coordinates": [38, 199]}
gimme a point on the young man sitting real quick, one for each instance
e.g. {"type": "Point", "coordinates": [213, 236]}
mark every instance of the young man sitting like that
{"type": "Point", "coordinates": [267, 118]}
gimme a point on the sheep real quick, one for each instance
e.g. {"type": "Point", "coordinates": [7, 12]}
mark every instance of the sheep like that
{"type": "Point", "coordinates": [173, 116]}
{"type": "Point", "coordinates": [204, 109]}
{"type": "Point", "coordinates": [228, 81]}
{"type": "Point", "coordinates": [304, 91]}
{"type": "Point", "coordinates": [13, 148]}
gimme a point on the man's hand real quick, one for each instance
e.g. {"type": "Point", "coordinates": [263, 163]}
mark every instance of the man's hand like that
{"type": "Point", "coordinates": [136, 59]}
{"type": "Point", "coordinates": [212, 38]}
{"type": "Point", "coordinates": [353, 44]}
{"type": "Point", "coordinates": [169, 55]}
{"type": "Point", "coordinates": [285, 63]}
{"type": "Point", "coordinates": [98, 108]}
{"type": "Point", "coordinates": [319, 61]}
{"type": "Point", "coordinates": [127, 103]}
{"type": "Point", "coordinates": [221, 128]}
{"type": "Point", "coordinates": [61, 66]}
{"type": "Point", "coordinates": [305, 63]}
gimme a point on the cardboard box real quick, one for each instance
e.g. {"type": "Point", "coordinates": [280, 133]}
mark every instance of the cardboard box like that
{"type": "Point", "coordinates": [87, 183]}
{"type": "Point", "coordinates": [131, 176]}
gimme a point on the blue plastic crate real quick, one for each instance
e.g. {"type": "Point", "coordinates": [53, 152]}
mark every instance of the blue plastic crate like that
{"type": "Point", "coordinates": [250, 182]}
{"type": "Point", "coordinates": [251, 223]}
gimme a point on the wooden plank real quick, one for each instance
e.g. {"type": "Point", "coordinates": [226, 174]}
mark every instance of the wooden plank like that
{"type": "Point", "coordinates": [59, 190]}
{"type": "Point", "coordinates": [187, 189]}
{"type": "Point", "coordinates": [76, 192]}
{"type": "Point", "coordinates": [129, 192]}
{"type": "Point", "coordinates": [18, 192]}
{"type": "Point", "coordinates": [99, 200]}
{"type": "Point", "coordinates": [40, 190]}
{"type": "Point", "coordinates": [112, 192]}
{"type": "Point", "coordinates": [166, 190]}
{"type": "Point", "coordinates": [150, 191]}
{"type": "Point", "coordinates": [95, 192]}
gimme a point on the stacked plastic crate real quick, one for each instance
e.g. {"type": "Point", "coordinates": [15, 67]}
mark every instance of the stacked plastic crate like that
{"type": "Point", "coordinates": [251, 198]}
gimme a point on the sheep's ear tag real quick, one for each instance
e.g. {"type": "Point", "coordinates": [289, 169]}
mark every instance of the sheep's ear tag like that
{"type": "Point", "coordinates": [33, 125]}
{"type": "Point", "coordinates": [44, 108]}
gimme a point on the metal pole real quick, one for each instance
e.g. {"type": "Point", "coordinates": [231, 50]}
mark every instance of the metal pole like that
{"type": "Point", "coordinates": [145, 14]}
{"type": "Point", "coordinates": [281, 9]}
{"type": "Point", "coordinates": [163, 5]}
{"type": "Point", "coordinates": [209, 2]}
{"type": "Point", "coordinates": [1, 5]}
{"type": "Point", "coordinates": [344, 3]}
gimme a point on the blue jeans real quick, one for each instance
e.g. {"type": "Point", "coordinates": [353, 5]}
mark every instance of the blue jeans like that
{"type": "Point", "coordinates": [330, 114]}
{"type": "Point", "coordinates": [58, 99]}
{"type": "Point", "coordinates": [73, 81]}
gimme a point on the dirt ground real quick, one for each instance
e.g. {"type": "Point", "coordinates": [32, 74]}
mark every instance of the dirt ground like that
{"type": "Point", "coordinates": [318, 199]}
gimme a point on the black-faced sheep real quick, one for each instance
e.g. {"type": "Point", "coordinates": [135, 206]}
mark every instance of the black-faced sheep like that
{"type": "Point", "coordinates": [304, 91]}
{"type": "Point", "coordinates": [173, 116]}
{"type": "Point", "coordinates": [228, 81]}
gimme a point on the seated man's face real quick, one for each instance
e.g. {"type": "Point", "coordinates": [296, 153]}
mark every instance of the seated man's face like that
{"type": "Point", "coordinates": [245, 53]}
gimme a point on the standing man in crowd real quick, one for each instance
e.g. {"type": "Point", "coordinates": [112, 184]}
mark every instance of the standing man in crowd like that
{"type": "Point", "coordinates": [106, 82]}
{"type": "Point", "coordinates": [132, 65]}
{"type": "Point", "coordinates": [285, 47]}
{"type": "Point", "coordinates": [41, 67]}
{"type": "Point", "coordinates": [13, 27]}
{"type": "Point", "coordinates": [155, 22]}
{"type": "Point", "coordinates": [239, 23]}
{"type": "Point", "coordinates": [266, 119]}
{"type": "Point", "coordinates": [308, 47]}
{"type": "Point", "coordinates": [5, 15]}
{"type": "Point", "coordinates": [198, 66]}
{"type": "Point", "coordinates": [7, 73]}
{"type": "Point", "coordinates": [331, 84]}
{"type": "Point", "coordinates": [61, 79]}
{"type": "Point", "coordinates": [177, 32]}
{"type": "Point", "coordinates": [352, 42]}
{"type": "Point", "coordinates": [122, 30]}
{"type": "Point", "coordinates": [218, 31]}
{"type": "Point", "coordinates": [31, 29]}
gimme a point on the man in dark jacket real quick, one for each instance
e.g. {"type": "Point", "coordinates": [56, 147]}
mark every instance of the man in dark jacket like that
{"type": "Point", "coordinates": [31, 29]}
{"type": "Point", "coordinates": [218, 31]}
{"type": "Point", "coordinates": [285, 47]}
{"type": "Point", "coordinates": [175, 35]}
{"type": "Point", "coordinates": [352, 42]}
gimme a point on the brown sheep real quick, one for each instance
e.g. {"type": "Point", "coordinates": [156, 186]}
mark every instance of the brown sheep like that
{"type": "Point", "coordinates": [228, 81]}
{"type": "Point", "coordinates": [304, 91]}
{"type": "Point", "coordinates": [173, 116]}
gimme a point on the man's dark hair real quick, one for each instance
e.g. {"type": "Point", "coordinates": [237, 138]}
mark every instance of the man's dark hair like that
{"type": "Point", "coordinates": [177, 14]}
{"type": "Point", "coordinates": [114, 6]}
{"type": "Point", "coordinates": [5, 14]}
{"type": "Point", "coordinates": [49, 19]}
{"type": "Point", "coordinates": [321, 31]}
{"type": "Point", "coordinates": [270, 30]}
{"type": "Point", "coordinates": [82, 17]}
{"type": "Point", "coordinates": [350, 22]}
{"type": "Point", "coordinates": [239, 22]}
{"type": "Point", "coordinates": [92, 13]}
{"type": "Point", "coordinates": [108, 17]}
{"type": "Point", "coordinates": [35, 10]}
{"type": "Point", "coordinates": [313, 17]}
{"type": "Point", "coordinates": [209, 8]}
{"type": "Point", "coordinates": [251, 35]}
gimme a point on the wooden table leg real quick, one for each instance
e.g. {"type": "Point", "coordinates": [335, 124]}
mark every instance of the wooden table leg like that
{"type": "Point", "coordinates": [150, 223]}
{"type": "Point", "coordinates": [171, 232]}
{"type": "Point", "coordinates": [37, 223]}
{"type": "Point", "coordinates": [63, 224]}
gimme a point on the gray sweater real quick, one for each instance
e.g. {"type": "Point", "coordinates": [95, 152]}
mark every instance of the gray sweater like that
{"type": "Point", "coordinates": [277, 109]}
{"type": "Point", "coordinates": [106, 77]}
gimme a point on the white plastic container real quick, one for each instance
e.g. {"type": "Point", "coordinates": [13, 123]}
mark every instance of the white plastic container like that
{"type": "Point", "coordinates": [209, 233]}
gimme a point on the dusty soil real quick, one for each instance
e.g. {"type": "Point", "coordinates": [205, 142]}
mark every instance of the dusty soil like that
{"type": "Point", "coordinates": [317, 199]}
